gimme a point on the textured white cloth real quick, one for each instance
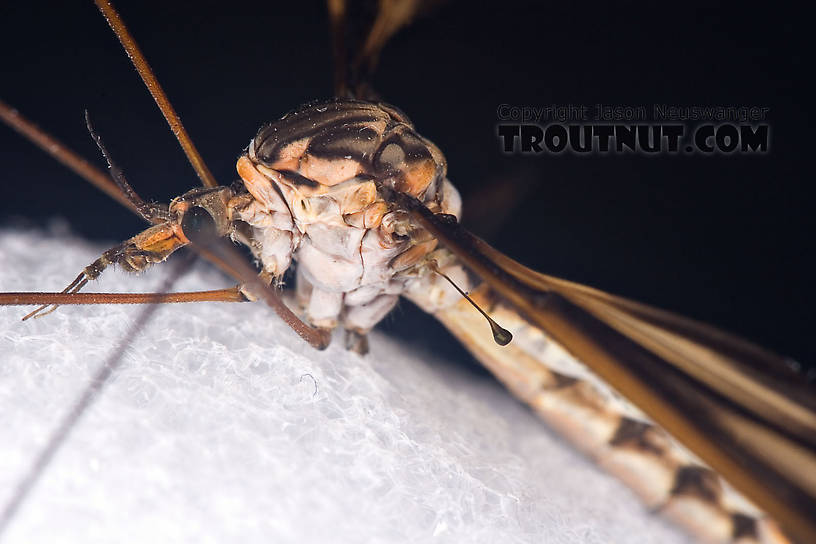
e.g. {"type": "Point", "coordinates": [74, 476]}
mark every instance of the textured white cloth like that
{"type": "Point", "coordinates": [223, 426]}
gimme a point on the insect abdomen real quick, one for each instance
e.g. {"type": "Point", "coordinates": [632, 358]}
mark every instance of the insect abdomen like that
{"type": "Point", "coordinates": [610, 430]}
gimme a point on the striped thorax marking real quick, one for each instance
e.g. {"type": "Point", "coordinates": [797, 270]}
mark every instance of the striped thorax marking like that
{"type": "Point", "coordinates": [324, 144]}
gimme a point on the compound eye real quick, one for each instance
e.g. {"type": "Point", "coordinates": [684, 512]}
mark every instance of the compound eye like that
{"type": "Point", "coordinates": [198, 226]}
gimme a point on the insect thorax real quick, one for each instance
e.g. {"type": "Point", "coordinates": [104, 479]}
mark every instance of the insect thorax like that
{"type": "Point", "coordinates": [312, 180]}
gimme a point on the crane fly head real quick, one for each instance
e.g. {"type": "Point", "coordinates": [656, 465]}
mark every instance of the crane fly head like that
{"type": "Point", "coordinates": [202, 215]}
{"type": "Point", "coordinates": [199, 216]}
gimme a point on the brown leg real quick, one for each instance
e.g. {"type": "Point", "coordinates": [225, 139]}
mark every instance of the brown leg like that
{"type": "Point", "coordinates": [231, 294]}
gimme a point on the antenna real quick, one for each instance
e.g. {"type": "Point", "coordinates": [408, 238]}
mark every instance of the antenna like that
{"type": "Point", "coordinates": [152, 213]}
{"type": "Point", "coordinates": [59, 152]}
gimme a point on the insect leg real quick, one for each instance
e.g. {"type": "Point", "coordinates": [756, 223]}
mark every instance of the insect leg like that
{"type": "Point", "coordinates": [151, 246]}
{"type": "Point", "coordinates": [357, 46]}
{"type": "Point", "coordinates": [337, 24]}
{"type": "Point", "coordinates": [89, 395]}
{"type": "Point", "coordinates": [156, 91]}
{"type": "Point", "coordinates": [58, 151]}
{"type": "Point", "coordinates": [230, 294]}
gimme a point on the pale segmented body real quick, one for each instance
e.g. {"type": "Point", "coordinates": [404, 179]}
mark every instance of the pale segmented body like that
{"type": "Point", "coordinates": [667, 477]}
{"type": "Point", "coordinates": [312, 180]}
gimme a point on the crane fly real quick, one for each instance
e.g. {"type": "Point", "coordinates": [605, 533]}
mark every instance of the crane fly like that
{"type": "Point", "coordinates": [652, 357]}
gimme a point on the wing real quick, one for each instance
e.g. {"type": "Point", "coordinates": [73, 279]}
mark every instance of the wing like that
{"type": "Point", "coordinates": [741, 409]}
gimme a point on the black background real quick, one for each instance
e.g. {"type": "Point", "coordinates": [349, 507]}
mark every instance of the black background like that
{"type": "Point", "coordinates": [724, 239]}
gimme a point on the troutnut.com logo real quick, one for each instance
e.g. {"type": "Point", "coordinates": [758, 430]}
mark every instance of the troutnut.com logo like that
{"type": "Point", "coordinates": [607, 129]}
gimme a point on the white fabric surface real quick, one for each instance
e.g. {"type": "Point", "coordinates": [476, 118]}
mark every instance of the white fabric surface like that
{"type": "Point", "coordinates": [209, 433]}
